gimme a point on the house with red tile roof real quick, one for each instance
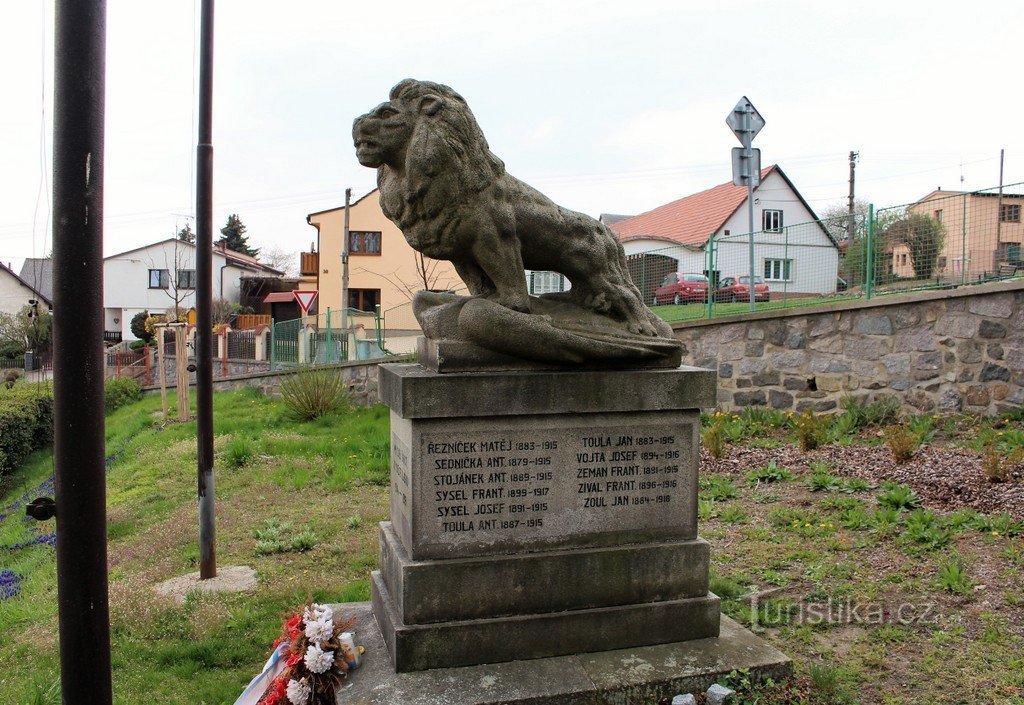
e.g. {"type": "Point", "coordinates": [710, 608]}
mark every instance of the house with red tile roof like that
{"type": "Point", "coordinates": [792, 251]}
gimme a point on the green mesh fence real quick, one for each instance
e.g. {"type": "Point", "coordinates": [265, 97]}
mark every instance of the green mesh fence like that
{"type": "Point", "coordinates": [332, 336]}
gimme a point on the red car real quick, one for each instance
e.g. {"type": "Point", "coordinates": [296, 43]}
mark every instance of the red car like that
{"type": "Point", "coordinates": [738, 289]}
{"type": "Point", "coordinates": [681, 289]}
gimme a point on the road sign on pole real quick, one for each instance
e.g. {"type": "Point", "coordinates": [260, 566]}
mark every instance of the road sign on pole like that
{"type": "Point", "coordinates": [305, 299]}
{"type": "Point", "coordinates": [744, 167]}
{"type": "Point", "coordinates": [746, 122]}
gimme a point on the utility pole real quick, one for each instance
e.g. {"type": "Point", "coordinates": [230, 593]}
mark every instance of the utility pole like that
{"type": "Point", "coordinates": [204, 300]}
{"type": "Point", "coordinates": [746, 122]}
{"type": "Point", "coordinates": [853, 168]}
{"type": "Point", "coordinates": [344, 275]}
{"type": "Point", "coordinates": [79, 443]}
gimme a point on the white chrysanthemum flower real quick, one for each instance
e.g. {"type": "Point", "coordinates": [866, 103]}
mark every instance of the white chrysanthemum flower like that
{"type": "Point", "coordinates": [319, 631]}
{"type": "Point", "coordinates": [299, 692]}
{"type": "Point", "coordinates": [317, 660]}
{"type": "Point", "coordinates": [318, 613]}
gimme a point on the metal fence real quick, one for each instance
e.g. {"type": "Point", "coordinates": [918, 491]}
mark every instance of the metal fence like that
{"type": "Point", "coordinates": [326, 338]}
{"type": "Point", "coordinates": [944, 240]}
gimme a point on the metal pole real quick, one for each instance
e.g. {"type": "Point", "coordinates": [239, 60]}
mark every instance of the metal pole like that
{"type": "Point", "coordinates": [870, 266]}
{"type": "Point", "coordinates": [999, 215]}
{"type": "Point", "coordinates": [204, 299]}
{"type": "Point", "coordinates": [963, 241]}
{"type": "Point", "coordinates": [79, 448]}
{"type": "Point", "coordinates": [344, 274]}
{"type": "Point", "coordinates": [853, 167]}
{"type": "Point", "coordinates": [712, 281]}
{"type": "Point", "coordinates": [748, 139]}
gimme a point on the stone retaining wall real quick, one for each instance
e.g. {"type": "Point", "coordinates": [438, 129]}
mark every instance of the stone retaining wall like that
{"type": "Point", "coordinates": [360, 377]}
{"type": "Point", "coordinates": [959, 350]}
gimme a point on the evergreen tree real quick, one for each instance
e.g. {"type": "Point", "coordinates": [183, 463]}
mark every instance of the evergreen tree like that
{"type": "Point", "coordinates": [235, 238]}
{"type": "Point", "coordinates": [186, 234]}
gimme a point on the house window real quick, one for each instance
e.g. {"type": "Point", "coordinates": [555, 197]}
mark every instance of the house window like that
{"type": "Point", "coordinates": [1009, 212]}
{"type": "Point", "coordinates": [778, 270]}
{"type": "Point", "coordinates": [771, 221]}
{"type": "Point", "coordinates": [727, 233]}
{"type": "Point", "coordinates": [363, 243]}
{"type": "Point", "coordinates": [546, 282]}
{"type": "Point", "coordinates": [159, 279]}
{"type": "Point", "coordinates": [903, 260]}
{"type": "Point", "coordinates": [938, 216]}
{"type": "Point", "coordinates": [941, 263]}
{"type": "Point", "coordinates": [364, 299]}
{"type": "Point", "coordinates": [1009, 252]}
{"type": "Point", "coordinates": [186, 279]}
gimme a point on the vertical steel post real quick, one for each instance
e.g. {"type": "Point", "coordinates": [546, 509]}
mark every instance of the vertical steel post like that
{"type": "Point", "coordinates": [273, 345]}
{"type": "Point", "coordinates": [748, 140]}
{"type": "Point", "coordinates": [344, 275]}
{"type": "Point", "coordinates": [711, 273]}
{"type": "Point", "coordinates": [79, 447]}
{"type": "Point", "coordinates": [329, 340]}
{"type": "Point", "coordinates": [963, 241]}
{"type": "Point", "coordinates": [204, 299]}
{"type": "Point", "coordinates": [870, 266]}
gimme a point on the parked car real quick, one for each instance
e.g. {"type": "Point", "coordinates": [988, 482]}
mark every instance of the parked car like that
{"type": "Point", "coordinates": [679, 288]}
{"type": "Point", "coordinates": [738, 289]}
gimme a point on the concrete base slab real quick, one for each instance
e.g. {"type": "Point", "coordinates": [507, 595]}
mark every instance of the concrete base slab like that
{"type": "Point", "coordinates": [635, 676]}
{"type": "Point", "coordinates": [236, 578]}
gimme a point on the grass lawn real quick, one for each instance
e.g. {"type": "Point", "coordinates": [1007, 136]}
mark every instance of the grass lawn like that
{"type": "Point", "coordinates": [921, 549]}
{"type": "Point", "coordinates": [693, 311]}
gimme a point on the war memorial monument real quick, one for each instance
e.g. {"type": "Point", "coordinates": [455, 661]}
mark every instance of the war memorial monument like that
{"type": "Point", "coordinates": [543, 543]}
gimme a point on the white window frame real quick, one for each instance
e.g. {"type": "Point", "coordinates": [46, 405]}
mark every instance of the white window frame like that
{"type": "Point", "coordinates": [776, 216]}
{"type": "Point", "coordinates": [542, 282]}
{"type": "Point", "coordinates": [163, 278]}
{"type": "Point", "coordinates": [781, 269]}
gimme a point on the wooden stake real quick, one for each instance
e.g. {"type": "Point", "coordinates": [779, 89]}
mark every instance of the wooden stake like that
{"type": "Point", "coordinates": [181, 355]}
{"type": "Point", "coordinates": [163, 371]}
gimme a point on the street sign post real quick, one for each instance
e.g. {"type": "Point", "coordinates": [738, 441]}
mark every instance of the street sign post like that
{"type": "Point", "coordinates": [305, 299]}
{"type": "Point", "coordinates": [746, 122]}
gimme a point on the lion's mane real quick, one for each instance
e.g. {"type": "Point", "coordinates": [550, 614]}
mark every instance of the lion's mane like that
{"type": "Point", "coordinates": [447, 159]}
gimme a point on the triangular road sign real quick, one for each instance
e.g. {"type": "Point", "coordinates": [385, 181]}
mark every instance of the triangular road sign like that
{"type": "Point", "coordinates": [305, 299]}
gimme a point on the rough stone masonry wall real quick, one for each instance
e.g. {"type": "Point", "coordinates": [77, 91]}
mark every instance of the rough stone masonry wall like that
{"type": "Point", "coordinates": [959, 350]}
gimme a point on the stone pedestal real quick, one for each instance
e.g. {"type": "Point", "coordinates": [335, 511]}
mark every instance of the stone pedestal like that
{"type": "Point", "coordinates": [541, 513]}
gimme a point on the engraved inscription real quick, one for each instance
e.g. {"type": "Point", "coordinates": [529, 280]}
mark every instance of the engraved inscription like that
{"type": "Point", "coordinates": [554, 481]}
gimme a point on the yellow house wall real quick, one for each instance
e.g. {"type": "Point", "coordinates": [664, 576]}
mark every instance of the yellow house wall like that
{"type": "Point", "coordinates": [393, 271]}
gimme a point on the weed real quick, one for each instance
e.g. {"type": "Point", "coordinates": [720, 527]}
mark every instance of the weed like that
{"type": "Point", "coordinates": [902, 442]}
{"type": "Point", "coordinates": [706, 509]}
{"type": "Point", "coordinates": [898, 497]}
{"type": "Point", "coordinates": [302, 541]}
{"type": "Point", "coordinates": [720, 488]}
{"type": "Point", "coordinates": [924, 530]}
{"type": "Point", "coordinates": [769, 473]}
{"type": "Point", "coordinates": [313, 393]}
{"type": "Point", "coordinates": [854, 484]}
{"type": "Point", "coordinates": [733, 515]}
{"type": "Point", "coordinates": [823, 480]}
{"type": "Point", "coordinates": [954, 579]}
{"type": "Point", "coordinates": [240, 452]}
{"type": "Point", "coordinates": [354, 522]}
{"type": "Point", "coordinates": [923, 427]}
{"type": "Point", "coordinates": [855, 518]}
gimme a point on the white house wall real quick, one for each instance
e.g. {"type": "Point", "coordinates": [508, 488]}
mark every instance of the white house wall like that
{"type": "Point", "coordinates": [13, 294]}
{"type": "Point", "coordinates": [690, 260]}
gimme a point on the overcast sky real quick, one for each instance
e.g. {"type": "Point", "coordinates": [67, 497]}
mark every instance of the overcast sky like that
{"type": "Point", "coordinates": [606, 106]}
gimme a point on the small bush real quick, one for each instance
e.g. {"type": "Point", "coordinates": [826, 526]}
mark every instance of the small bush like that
{"type": "Point", "coordinates": [138, 326]}
{"type": "Point", "coordinates": [26, 424]}
{"type": "Point", "coordinates": [313, 393]}
{"type": "Point", "coordinates": [810, 430]}
{"type": "Point", "coordinates": [994, 465]}
{"type": "Point", "coordinates": [120, 391]}
{"type": "Point", "coordinates": [10, 377]}
{"type": "Point", "coordinates": [953, 578]}
{"type": "Point", "coordinates": [240, 452]}
{"type": "Point", "coordinates": [769, 473]}
{"type": "Point", "coordinates": [713, 438]}
{"type": "Point", "coordinates": [902, 442]}
{"type": "Point", "coordinates": [898, 497]}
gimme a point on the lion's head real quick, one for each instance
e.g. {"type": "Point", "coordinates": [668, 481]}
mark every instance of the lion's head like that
{"type": "Point", "coordinates": [427, 136]}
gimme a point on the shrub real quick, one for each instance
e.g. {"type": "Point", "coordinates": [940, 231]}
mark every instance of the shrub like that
{"type": "Point", "coordinates": [313, 393]}
{"type": "Point", "coordinates": [138, 326]}
{"type": "Point", "coordinates": [713, 438]}
{"type": "Point", "coordinates": [120, 391]}
{"type": "Point", "coordinates": [10, 377]}
{"type": "Point", "coordinates": [810, 430]}
{"type": "Point", "coordinates": [992, 463]}
{"type": "Point", "coordinates": [137, 345]}
{"type": "Point", "coordinates": [26, 424]}
{"type": "Point", "coordinates": [902, 442]}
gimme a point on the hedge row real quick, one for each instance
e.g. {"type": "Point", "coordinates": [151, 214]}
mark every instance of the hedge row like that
{"type": "Point", "coordinates": [26, 424]}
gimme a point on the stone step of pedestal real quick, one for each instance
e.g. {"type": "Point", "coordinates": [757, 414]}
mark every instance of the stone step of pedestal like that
{"type": "Point", "coordinates": [531, 583]}
{"type": "Point", "coordinates": [470, 642]}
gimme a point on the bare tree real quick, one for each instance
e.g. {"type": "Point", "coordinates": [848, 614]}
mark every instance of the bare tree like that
{"type": "Point", "coordinates": [281, 259]}
{"type": "Point", "coordinates": [429, 274]}
{"type": "Point", "coordinates": [181, 279]}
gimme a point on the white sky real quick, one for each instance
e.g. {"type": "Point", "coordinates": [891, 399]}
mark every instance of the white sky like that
{"type": "Point", "coordinates": [606, 106]}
